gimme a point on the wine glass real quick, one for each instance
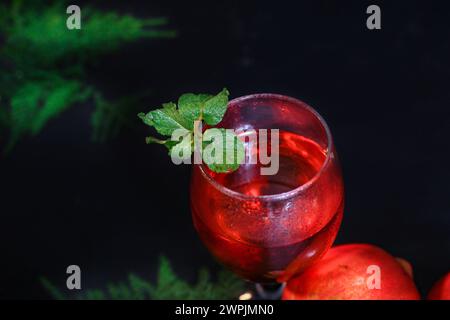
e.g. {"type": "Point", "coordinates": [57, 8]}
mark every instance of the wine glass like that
{"type": "Point", "coordinates": [267, 228]}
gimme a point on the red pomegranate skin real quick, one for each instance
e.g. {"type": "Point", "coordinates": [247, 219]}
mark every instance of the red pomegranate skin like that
{"type": "Point", "coordinates": [406, 266]}
{"type": "Point", "coordinates": [342, 274]}
{"type": "Point", "coordinates": [441, 289]}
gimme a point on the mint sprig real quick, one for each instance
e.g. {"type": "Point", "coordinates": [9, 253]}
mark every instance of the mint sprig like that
{"type": "Point", "coordinates": [191, 107]}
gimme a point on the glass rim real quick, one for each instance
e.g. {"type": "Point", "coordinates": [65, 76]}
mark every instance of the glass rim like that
{"type": "Point", "coordinates": [294, 191]}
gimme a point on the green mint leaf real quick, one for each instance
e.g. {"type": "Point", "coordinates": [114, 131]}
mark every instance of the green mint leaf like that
{"type": "Point", "coordinates": [150, 140]}
{"type": "Point", "coordinates": [215, 107]}
{"type": "Point", "coordinates": [169, 144]}
{"type": "Point", "coordinates": [182, 149]}
{"type": "Point", "coordinates": [191, 106]}
{"type": "Point", "coordinates": [146, 118]}
{"type": "Point", "coordinates": [224, 152]}
{"type": "Point", "coordinates": [165, 120]}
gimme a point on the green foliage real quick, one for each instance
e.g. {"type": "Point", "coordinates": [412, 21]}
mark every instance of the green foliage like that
{"type": "Point", "coordinates": [42, 65]}
{"type": "Point", "coordinates": [166, 120]}
{"type": "Point", "coordinates": [214, 108]}
{"type": "Point", "coordinates": [168, 286]}
{"type": "Point", "coordinates": [43, 33]}
{"type": "Point", "coordinates": [36, 102]}
{"type": "Point", "coordinates": [230, 145]}
{"type": "Point", "coordinates": [210, 108]}
{"type": "Point", "coordinates": [52, 290]}
{"type": "Point", "coordinates": [191, 108]}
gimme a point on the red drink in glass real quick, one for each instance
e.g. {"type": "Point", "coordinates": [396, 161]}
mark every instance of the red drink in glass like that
{"type": "Point", "coordinates": [267, 228]}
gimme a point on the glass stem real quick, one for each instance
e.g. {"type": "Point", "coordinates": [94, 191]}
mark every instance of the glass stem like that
{"type": "Point", "coordinates": [269, 291]}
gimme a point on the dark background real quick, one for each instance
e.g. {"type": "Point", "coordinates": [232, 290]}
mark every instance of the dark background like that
{"type": "Point", "coordinates": [113, 208]}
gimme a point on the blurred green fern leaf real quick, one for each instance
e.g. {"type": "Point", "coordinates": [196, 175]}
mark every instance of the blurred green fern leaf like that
{"type": "Point", "coordinates": [168, 286]}
{"type": "Point", "coordinates": [42, 64]}
{"type": "Point", "coordinates": [36, 102]}
{"type": "Point", "coordinates": [109, 116]}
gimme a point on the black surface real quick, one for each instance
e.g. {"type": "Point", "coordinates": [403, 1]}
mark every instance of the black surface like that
{"type": "Point", "coordinates": [114, 208]}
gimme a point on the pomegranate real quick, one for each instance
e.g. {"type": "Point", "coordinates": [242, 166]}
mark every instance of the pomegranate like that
{"type": "Point", "coordinates": [406, 266]}
{"type": "Point", "coordinates": [354, 272]}
{"type": "Point", "coordinates": [441, 289]}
